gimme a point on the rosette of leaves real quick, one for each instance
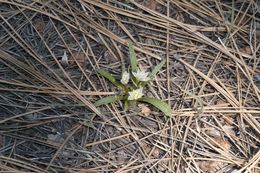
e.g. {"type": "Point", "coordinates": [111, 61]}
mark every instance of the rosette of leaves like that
{"type": "Point", "coordinates": [131, 85]}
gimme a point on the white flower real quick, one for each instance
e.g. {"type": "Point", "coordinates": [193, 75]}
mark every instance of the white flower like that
{"type": "Point", "coordinates": [125, 78]}
{"type": "Point", "coordinates": [141, 75]}
{"type": "Point", "coordinates": [135, 94]}
{"type": "Point", "coordinates": [64, 59]}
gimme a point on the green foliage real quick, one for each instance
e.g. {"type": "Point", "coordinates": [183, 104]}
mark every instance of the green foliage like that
{"type": "Point", "coordinates": [108, 99]}
{"type": "Point", "coordinates": [156, 69]}
{"type": "Point", "coordinates": [159, 104]}
{"type": "Point", "coordinates": [126, 105]}
{"type": "Point", "coordinates": [131, 92]}
{"type": "Point", "coordinates": [133, 59]}
{"type": "Point", "coordinates": [106, 74]}
{"type": "Point", "coordinates": [109, 76]}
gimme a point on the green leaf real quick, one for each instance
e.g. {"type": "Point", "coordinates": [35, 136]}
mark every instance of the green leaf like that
{"type": "Point", "coordinates": [133, 60]}
{"type": "Point", "coordinates": [126, 105]}
{"type": "Point", "coordinates": [108, 99]}
{"type": "Point", "coordinates": [159, 104]}
{"type": "Point", "coordinates": [106, 74]}
{"type": "Point", "coordinates": [109, 76]}
{"type": "Point", "coordinates": [156, 69]}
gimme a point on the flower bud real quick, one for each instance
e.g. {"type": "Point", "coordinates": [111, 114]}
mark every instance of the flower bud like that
{"type": "Point", "coordinates": [125, 78]}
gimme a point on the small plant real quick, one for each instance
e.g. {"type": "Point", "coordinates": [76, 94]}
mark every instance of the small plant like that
{"type": "Point", "coordinates": [132, 84]}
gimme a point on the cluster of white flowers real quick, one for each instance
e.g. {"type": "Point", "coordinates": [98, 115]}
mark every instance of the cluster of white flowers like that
{"type": "Point", "coordinates": [141, 76]}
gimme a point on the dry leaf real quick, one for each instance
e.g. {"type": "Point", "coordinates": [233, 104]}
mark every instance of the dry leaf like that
{"type": "Point", "coordinates": [211, 166]}
{"type": "Point", "coordinates": [156, 152]}
{"type": "Point", "coordinates": [221, 142]}
{"type": "Point", "coordinates": [229, 130]}
{"type": "Point", "coordinates": [212, 132]}
{"type": "Point", "coordinates": [144, 109]}
{"type": "Point", "coordinates": [79, 57]}
{"type": "Point", "coordinates": [146, 148]}
{"type": "Point", "coordinates": [228, 120]}
{"type": "Point", "coordinates": [151, 4]}
{"type": "Point", "coordinates": [39, 25]}
{"type": "Point", "coordinates": [221, 103]}
{"type": "Point", "coordinates": [208, 166]}
{"type": "Point", "coordinates": [246, 50]}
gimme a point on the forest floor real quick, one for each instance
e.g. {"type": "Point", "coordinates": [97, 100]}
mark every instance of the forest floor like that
{"type": "Point", "coordinates": [49, 53]}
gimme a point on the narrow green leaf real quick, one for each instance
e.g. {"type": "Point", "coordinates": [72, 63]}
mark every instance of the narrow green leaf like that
{"type": "Point", "coordinates": [133, 60]}
{"type": "Point", "coordinates": [159, 104]}
{"type": "Point", "coordinates": [156, 69]}
{"type": "Point", "coordinates": [108, 99]}
{"type": "Point", "coordinates": [126, 105]}
{"type": "Point", "coordinates": [106, 74]}
{"type": "Point", "coordinates": [109, 76]}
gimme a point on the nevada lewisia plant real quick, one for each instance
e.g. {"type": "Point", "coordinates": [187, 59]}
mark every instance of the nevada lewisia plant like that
{"type": "Point", "coordinates": [132, 84]}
